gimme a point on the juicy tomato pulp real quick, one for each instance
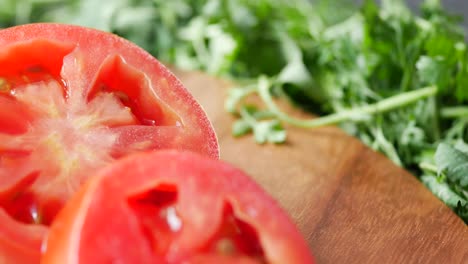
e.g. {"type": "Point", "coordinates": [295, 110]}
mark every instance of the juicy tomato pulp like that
{"type": "Point", "coordinates": [173, 207]}
{"type": "Point", "coordinates": [73, 100]}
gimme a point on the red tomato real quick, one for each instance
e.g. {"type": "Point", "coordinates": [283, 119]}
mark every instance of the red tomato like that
{"type": "Point", "coordinates": [73, 100]}
{"type": "Point", "coordinates": [173, 207]}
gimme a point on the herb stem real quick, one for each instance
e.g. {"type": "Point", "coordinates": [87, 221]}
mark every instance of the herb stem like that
{"type": "Point", "coordinates": [347, 115]}
{"type": "Point", "coordinates": [435, 120]}
{"type": "Point", "coordinates": [385, 146]}
{"type": "Point", "coordinates": [406, 81]}
{"type": "Point", "coordinates": [428, 167]}
{"type": "Point", "coordinates": [454, 112]}
{"type": "Point", "coordinates": [247, 117]}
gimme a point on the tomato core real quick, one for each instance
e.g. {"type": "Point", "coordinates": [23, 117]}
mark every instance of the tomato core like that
{"type": "Point", "coordinates": [63, 129]}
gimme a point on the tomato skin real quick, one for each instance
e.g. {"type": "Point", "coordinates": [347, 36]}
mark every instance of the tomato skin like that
{"type": "Point", "coordinates": [82, 60]}
{"type": "Point", "coordinates": [98, 226]}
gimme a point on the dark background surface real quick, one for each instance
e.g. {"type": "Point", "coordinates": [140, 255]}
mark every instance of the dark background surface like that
{"type": "Point", "coordinates": [455, 7]}
{"type": "Point", "coordinates": [459, 7]}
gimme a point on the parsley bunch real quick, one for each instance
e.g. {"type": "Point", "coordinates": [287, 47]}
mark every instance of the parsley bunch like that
{"type": "Point", "coordinates": [395, 79]}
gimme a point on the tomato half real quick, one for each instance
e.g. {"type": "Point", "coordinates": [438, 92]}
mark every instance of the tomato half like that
{"type": "Point", "coordinates": [173, 207]}
{"type": "Point", "coordinates": [73, 100]}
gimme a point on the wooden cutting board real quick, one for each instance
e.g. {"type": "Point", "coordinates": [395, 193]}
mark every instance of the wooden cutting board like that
{"type": "Point", "coordinates": [351, 204]}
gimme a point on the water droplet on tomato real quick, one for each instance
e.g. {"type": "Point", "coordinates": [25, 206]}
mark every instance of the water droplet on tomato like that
{"type": "Point", "coordinates": [173, 220]}
{"type": "Point", "coordinates": [148, 122]}
{"type": "Point", "coordinates": [35, 216]}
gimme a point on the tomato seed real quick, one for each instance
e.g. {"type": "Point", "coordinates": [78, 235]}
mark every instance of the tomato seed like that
{"type": "Point", "coordinates": [5, 86]}
{"type": "Point", "coordinates": [35, 69]}
{"type": "Point", "coordinates": [121, 95]}
{"type": "Point", "coordinates": [226, 246]}
{"type": "Point", "coordinates": [25, 79]}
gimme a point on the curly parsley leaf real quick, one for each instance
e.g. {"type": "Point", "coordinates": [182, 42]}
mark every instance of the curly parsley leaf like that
{"type": "Point", "coordinates": [453, 162]}
{"type": "Point", "coordinates": [443, 191]}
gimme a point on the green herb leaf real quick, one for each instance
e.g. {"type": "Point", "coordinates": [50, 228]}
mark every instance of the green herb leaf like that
{"type": "Point", "coordinates": [453, 163]}
{"type": "Point", "coordinates": [434, 71]}
{"type": "Point", "coordinates": [241, 127]}
{"type": "Point", "coordinates": [269, 131]}
{"type": "Point", "coordinates": [443, 191]}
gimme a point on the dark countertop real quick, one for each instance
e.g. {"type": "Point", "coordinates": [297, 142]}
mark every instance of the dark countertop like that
{"type": "Point", "coordinates": [458, 7]}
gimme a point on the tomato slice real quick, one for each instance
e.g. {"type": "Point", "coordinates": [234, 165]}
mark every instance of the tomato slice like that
{"type": "Point", "coordinates": [74, 100]}
{"type": "Point", "coordinates": [173, 207]}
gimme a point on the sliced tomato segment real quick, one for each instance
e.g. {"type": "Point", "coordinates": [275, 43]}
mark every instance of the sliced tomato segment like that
{"type": "Point", "coordinates": [118, 77]}
{"type": "Point", "coordinates": [32, 60]}
{"type": "Point", "coordinates": [173, 207]}
{"type": "Point", "coordinates": [74, 100]}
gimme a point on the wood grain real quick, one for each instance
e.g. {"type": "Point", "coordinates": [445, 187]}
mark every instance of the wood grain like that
{"type": "Point", "coordinates": [351, 204]}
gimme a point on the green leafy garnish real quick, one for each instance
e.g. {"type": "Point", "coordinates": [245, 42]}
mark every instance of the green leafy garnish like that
{"type": "Point", "coordinates": [260, 123]}
{"type": "Point", "coordinates": [453, 162]}
{"type": "Point", "coordinates": [447, 178]}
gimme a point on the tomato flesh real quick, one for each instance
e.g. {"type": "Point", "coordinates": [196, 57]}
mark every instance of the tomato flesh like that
{"type": "Point", "coordinates": [160, 223]}
{"type": "Point", "coordinates": [235, 238]}
{"type": "Point", "coordinates": [73, 132]}
{"type": "Point", "coordinates": [173, 207]}
{"type": "Point", "coordinates": [159, 220]}
{"type": "Point", "coordinates": [120, 79]}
